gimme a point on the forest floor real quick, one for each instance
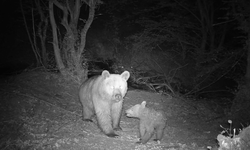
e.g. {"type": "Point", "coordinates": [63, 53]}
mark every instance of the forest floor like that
{"type": "Point", "coordinates": [41, 110]}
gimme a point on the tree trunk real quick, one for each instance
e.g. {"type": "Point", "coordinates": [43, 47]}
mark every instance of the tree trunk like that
{"type": "Point", "coordinates": [92, 4]}
{"type": "Point", "coordinates": [58, 58]}
{"type": "Point", "coordinates": [84, 71]}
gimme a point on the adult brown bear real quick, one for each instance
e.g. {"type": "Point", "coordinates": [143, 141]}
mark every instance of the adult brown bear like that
{"type": "Point", "coordinates": [103, 95]}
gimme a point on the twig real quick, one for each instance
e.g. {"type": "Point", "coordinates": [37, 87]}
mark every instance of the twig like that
{"type": "Point", "coordinates": [27, 30]}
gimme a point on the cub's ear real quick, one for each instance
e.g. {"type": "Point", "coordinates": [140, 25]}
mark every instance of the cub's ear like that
{"type": "Point", "coordinates": [105, 74]}
{"type": "Point", "coordinates": [143, 104]}
{"type": "Point", "coordinates": [125, 75]}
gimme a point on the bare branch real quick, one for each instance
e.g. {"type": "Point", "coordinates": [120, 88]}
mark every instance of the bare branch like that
{"type": "Point", "coordinates": [92, 4]}
{"type": "Point", "coordinates": [188, 11]}
{"type": "Point", "coordinates": [59, 5]}
{"type": "Point", "coordinates": [29, 36]}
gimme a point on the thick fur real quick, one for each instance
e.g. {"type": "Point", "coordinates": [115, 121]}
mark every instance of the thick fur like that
{"type": "Point", "coordinates": [103, 95]}
{"type": "Point", "coordinates": [150, 121]}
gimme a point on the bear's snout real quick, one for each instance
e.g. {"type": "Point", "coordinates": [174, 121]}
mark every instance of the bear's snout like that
{"type": "Point", "coordinates": [128, 113]}
{"type": "Point", "coordinates": [118, 96]}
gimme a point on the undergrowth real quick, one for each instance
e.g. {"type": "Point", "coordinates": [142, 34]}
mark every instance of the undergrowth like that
{"type": "Point", "coordinates": [231, 141]}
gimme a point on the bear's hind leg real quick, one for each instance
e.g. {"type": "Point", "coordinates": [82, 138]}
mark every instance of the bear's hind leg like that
{"type": "Point", "coordinates": [87, 114]}
{"type": "Point", "coordinates": [104, 120]}
{"type": "Point", "coordinates": [116, 111]}
{"type": "Point", "coordinates": [145, 138]}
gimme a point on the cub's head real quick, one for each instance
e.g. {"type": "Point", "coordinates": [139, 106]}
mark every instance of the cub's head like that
{"type": "Point", "coordinates": [135, 110]}
{"type": "Point", "coordinates": [115, 85]}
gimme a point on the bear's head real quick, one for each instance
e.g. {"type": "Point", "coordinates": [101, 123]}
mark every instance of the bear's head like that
{"type": "Point", "coordinates": [136, 110]}
{"type": "Point", "coordinates": [115, 85]}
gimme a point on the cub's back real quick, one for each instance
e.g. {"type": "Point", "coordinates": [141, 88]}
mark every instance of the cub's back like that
{"type": "Point", "coordinates": [152, 117]}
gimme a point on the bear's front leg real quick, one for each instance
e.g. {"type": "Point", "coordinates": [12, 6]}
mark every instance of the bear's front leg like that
{"type": "Point", "coordinates": [145, 138]}
{"type": "Point", "coordinates": [159, 132]}
{"type": "Point", "coordinates": [104, 119]}
{"type": "Point", "coordinates": [116, 112]}
{"type": "Point", "coordinates": [142, 129]}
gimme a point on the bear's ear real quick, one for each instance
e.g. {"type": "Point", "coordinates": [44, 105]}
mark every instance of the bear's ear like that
{"type": "Point", "coordinates": [125, 75]}
{"type": "Point", "coordinates": [143, 104]}
{"type": "Point", "coordinates": [105, 74]}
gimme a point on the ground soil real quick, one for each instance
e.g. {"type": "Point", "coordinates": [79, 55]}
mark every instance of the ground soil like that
{"type": "Point", "coordinates": [41, 110]}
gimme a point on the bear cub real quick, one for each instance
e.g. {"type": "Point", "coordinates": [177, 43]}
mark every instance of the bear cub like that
{"type": "Point", "coordinates": [151, 121]}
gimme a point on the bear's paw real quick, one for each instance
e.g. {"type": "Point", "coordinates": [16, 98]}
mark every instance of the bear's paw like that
{"type": "Point", "coordinates": [118, 128]}
{"type": "Point", "coordinates": [112, 135]}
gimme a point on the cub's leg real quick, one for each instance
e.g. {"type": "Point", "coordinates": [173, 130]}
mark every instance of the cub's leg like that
{"type": "Point", "coordinates": [116, 112]}
{"type": "Point", "coordinates": [142, 129]}
{"type": "Point", "coordinates": [147, 136]}
{"type": "Point", "coordinates": [104, 118]}
{"type": "Point", "coordinates": [159, 133]}
{"type": "Point", "coordinates": [142, 132]}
